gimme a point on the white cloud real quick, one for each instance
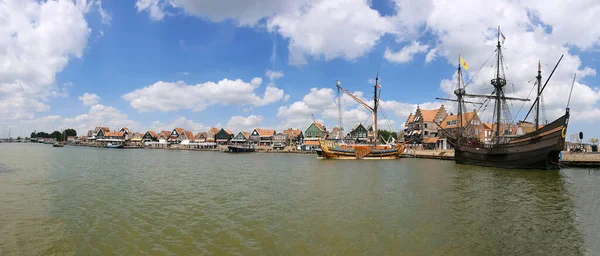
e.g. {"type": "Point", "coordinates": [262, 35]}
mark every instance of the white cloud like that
{"type": "Point", "coordinates": [104, 15]}
{"type": "Point", "coordinates": [38, 39]}
{"type": "Point", "coordinates": [97, 115]}
{"type": "Point", "coordinates": [315, 29]}
{"type": "Point", "coordinates": [406, 53]}
{"type": "Point", "coordinates": [89, 99]}
{"type": "Point", "coordinates": [272, 75]}
{"type": "Point", "coordinates": [154, 7]}
{"type": "Point", "coordinates": [247, 124]}
{"type": "Point", "coordinates": [431, 55]}
{"type": "Point", "coordinates": [321, 102]}
{"type": "Point", "coordinates": [171, 96]}
{"type": "Point", "coordinates": [181, 122]}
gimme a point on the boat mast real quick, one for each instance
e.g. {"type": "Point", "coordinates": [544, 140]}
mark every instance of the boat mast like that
{"type": "Point", "coordinates": [375, 100]}
{"type": "Point", "coordinates": [537, 107]}
{"type": "Point", "coordinates": [498, 83]}
{"type": "Point", "coordinates": [459, 94]}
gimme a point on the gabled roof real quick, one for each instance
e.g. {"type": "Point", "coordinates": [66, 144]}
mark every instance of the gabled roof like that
{"type": "Point", "coordinates": [411, 118]}
{"type": "Point", "coordinates": [213, 130]}
{"type": "Point", "coordinates": [105, 129]}
{"type": "Point", "coordinates": [152, 133]}
{"type": "Point", "coordinates": [487, 126]}
{"type": "Point", "coordinates": [320, 126]}
{"type": "Point", "coordinates": [292, 132]}
{"type": "Point", "coordinates": [227, 131]}
{"type": "Point", "coordinates": [168, 133]}
{"type": "Point", "coordinates": [198, 135]}
{"type": "Point", "coordinates": [467, 117]}
{"type": "Point", "coordinates": [125, 129]}
{"type": "Point", "coordinates": [179, 130]}
{"type": "Point", "coordinates": [429, 115]}
{"type": "Point", "coordinates": [114, 134]}
{"type": "Point", "coordinates": [356, 126]}
{"type": "Point", "coordinates": [246, 134]}
{"type": "Point", "coordinates": [188, 135]}
{"type": "Point", "coordinates": [265, 132]}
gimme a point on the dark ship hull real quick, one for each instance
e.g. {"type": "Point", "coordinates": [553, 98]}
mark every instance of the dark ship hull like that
{"type": "Point", "coordinates": [536, 150]}
{"type": "Point", "coordinates": [240, 149]}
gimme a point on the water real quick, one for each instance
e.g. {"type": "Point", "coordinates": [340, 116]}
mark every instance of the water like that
{"type": "Point", "coordinates": [91, 201]}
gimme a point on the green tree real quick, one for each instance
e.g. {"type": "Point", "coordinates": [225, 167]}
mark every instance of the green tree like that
{"type": "Point", "coordinates": [43, 135]}
{"type": "Point", "coordinates": [57, 135]}
{"type": "Point", "coordinates": [19, 138]}
{"type": "Point", "coordinates": [33, 135]}
{"type": "Point", "coordinates": [594, 141]}
{"type": "Point", "coordinates": [70, 132]}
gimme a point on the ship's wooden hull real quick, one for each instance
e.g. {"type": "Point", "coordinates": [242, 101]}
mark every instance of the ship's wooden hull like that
{"type": "Point", "coordinates": [359, 152]}
{"type": "Point", "coordinates": [537, 150]}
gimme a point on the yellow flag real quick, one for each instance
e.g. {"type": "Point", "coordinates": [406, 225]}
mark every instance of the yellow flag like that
{"type": "Point", "coordinates": [464, 63]}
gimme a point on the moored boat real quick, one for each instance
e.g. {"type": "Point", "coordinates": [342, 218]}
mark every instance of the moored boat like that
{"type": "Point", "coordinates": [58, 145]}
{"type": "Point", "coordinates": [241, 148]}
{"type": "Point", "coordinates": [109, 145]}
{"type": "Point", "coordinates": [538, 149]}
{"type": "Point", "coordinates": [339, 150]}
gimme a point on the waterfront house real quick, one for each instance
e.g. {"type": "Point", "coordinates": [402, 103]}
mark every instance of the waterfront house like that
{"type": "Point", "coordinates": [164, 135]}
{"type": "Point", "coordinates": [97, 131]}
{"type": "Point", "coordinates": [421, 128]}
{"type": "Point", "coordinates": [262, 137]}
{"type": "Point", "coordinates": [200, 137]}
{"type": "Point", "coordinates": [223, 136]}
{"type": "Point", "coordinates": [111, 137]}
{"type": "Point", "coordinates": [173, 138]}
{"type": "Point", "coordinates": [312, 134]}
{"type": "Point", "coordinates": [185, 136]}
{"type": "Point", "coordinates": [472, 125]}
{"type": "Point", "coordinates": [241, 138]}
{"type": "Point", "coordinates": [359, 133]}
{"type": "Point", "coordinates": [210, 135]}
{"type": "Point", "coordinates": [295, 136]}
{"type": "Point", "coordinates": [280, 141]}
{"type": "Point", "coordinates": [136, 139]}
{"type": "Point", "coordinates": [150, 136]}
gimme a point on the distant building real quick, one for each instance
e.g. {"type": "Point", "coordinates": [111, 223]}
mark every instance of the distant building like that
{"type": "Point", "coordinates": [359, 133]}
{"type": "Point", "coordinates": [422, 127]}
{"type": "Point", "coordinates": [335, 133]}
{"type": "Point", "coordinates": [280, 141]}
{"type": "Point", "coordinates": [223, 136]}
{"type": "Point", "coordinates": [295, 136]}
{"type": "Point", "coordinates": [241, 138]}
{"type": "Point", "coordinates": [262, 137]}
{"type": "Point", "coordinates": [173, 138]}
{"type": "Point", "coordinates": [312, 134]}
{"type": "Point", "coordinates": [472, 127]}
{"type": "Point", "coordinates": [150, 136]}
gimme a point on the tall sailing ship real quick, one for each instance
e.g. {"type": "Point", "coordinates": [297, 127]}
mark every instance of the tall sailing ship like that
{"type": "Point", "coordinates": [538, 149]}
{"type": "Point", "coordinates": [339, 150]}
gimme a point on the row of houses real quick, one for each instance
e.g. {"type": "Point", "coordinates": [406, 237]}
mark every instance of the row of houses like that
{"type": "Point", "coordinates": [426, 127]}
{"type": "Point", "coordinates": [180, 137]}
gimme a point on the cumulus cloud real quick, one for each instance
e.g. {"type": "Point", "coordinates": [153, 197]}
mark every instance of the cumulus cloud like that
{"type": "Point", "coordinates": [247, 124]}
{"type": "Point", "coordinates": [182, 122]}
{"type": "Point", "coordinates": [171, 96]}
{"type": "Point", "coordinates": [406, 53]}
{"type": "Point", "coordinates": [38, 39]}
{"type": "Point", "coordinates": [89, 99]}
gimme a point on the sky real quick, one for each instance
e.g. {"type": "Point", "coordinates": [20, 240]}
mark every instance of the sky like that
{"type": "Point", "coordinates": [196, 64]}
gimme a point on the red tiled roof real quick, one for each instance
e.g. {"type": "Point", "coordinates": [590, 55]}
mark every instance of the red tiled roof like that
{"type": "Point", "coordinates": [188, 135]}
{"type": "Point", "coordinates": [214, 130]}
{"type": "Point", "coordinates": [114, 134]}
{"type": "Point", "coordinates": [153, 134]}
{"type": "Point", "coordinates": [292, 132]}
{"type": "Point", "coordinates": [265, 132]}
{"type": "Point", "coordinates": [179, 130]}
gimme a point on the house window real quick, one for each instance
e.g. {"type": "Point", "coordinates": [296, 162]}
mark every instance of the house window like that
{"type": "Point", "coordinates": [477, 132]}
{"type": "Point", "coordinates": [426, 133]}
{"type": "Point", "coordinates": [425, 126]}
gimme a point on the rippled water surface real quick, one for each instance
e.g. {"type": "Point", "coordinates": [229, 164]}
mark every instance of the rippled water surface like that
{"type": "Point", "coordinates": [91, 201]}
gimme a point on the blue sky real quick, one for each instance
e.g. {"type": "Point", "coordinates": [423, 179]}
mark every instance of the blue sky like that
{"type": "Point", "coordinates": [157, 64]}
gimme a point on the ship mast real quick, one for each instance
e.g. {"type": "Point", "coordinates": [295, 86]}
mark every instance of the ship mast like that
{"type": "Point", "coordinates": [498, 83]}
{"type": "Point", "coordinates": [537, 107]}
{"type": "Point", "coordinates": [459, 92]}
{"type": "Point", "coordinates": [375, 103]}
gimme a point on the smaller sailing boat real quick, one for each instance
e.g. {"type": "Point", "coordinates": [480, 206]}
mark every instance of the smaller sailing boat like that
{"type": "Point", "coordinates": [59, 144]}
{"type": "Point", "coordinates": [337, 150]}
{"type": "Point", "coordinates": [110, 145]}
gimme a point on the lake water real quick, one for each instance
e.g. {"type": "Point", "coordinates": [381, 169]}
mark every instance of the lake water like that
{"type": "Point", "coordinates": [93, 201]}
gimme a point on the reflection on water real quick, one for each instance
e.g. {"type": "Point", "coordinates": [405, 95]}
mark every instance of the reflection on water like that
{"type": "Point", "coordinates": [84, 201]}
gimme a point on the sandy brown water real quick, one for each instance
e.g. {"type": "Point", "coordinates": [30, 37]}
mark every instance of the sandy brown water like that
{"type": "Point", "coordinates": [94, 201]}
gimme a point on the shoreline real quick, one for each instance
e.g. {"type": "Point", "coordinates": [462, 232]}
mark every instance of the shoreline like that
{"type": "Point", "coordinates": [577, 160]}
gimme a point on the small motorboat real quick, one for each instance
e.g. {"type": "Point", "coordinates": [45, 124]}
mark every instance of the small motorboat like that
{"type": "Point", "coordinates": [58, 145]}
{"type": "Point", "coordinates": [109, 145]}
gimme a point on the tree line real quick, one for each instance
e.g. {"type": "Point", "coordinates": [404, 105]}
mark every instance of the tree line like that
{"type": "Point", "coordinates": [56, 134]}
